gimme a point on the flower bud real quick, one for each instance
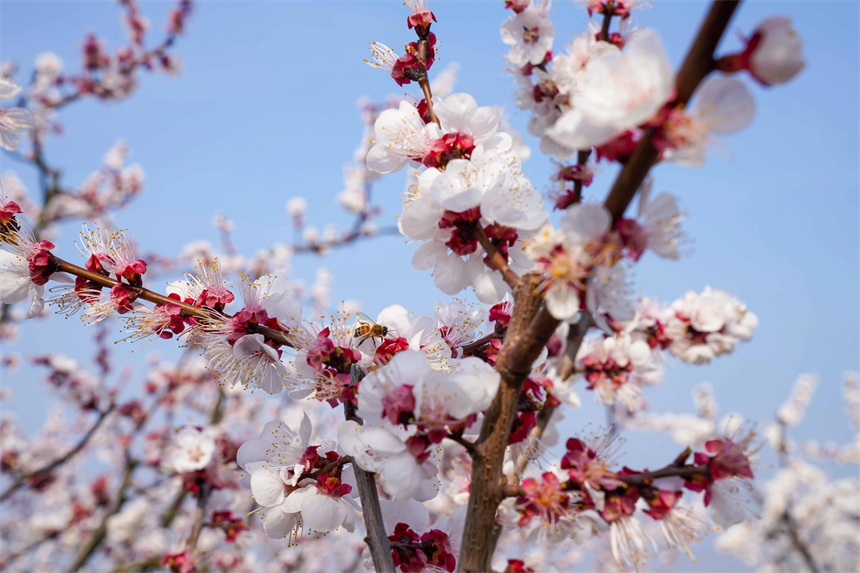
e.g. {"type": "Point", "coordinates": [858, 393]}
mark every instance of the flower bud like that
{"type": "Point", "coordinates": [778, 56]}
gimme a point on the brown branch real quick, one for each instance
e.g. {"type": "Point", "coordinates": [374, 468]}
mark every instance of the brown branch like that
{"type": "Point", "coordinates": [524, 345]}
{"type": "Point", "coordinates": [495, 257]}
{"type": "Point", "coordinates": [607, 20]}
{"type": "Point", "coordinates": [377, 541]}
{"type": "Point", "coordinates": [480, 342]}
{"type": "Point", "coordinates": [202, 497]}
{"type": "Point", "coordinates": [91, 544]}
{"type": "Point", "coordinates": [470, 446]}
{"type": "Point", "coordinates": [22, 479]}
{"type": "Point", "coordinates": [645, 478]}
{"type": "Point", "coordinates": [698, 64]}
{"type": "Point", "coordinates": [582, 161]}
{"type": "Point", "coordinates": [143, 565]}
{"type": "Point", "coordinates": [528, 332]}
{"type": "Point", "coordinates": [156, 298]}
{"type": "Point", "coordinates": [575, 336]}
{"type": "Point", "coordinates": [672, 470]}
{"type": "Point", "coordinates": [424, 81]}
{"type": "Point", "coordinates": [341, 461]}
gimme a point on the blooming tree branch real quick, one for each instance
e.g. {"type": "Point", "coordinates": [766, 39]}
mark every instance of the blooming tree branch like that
{"type": "Point", "coordinates": [444, 413]}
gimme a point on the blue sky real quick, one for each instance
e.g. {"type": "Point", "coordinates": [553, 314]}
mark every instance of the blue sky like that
{"type": "Point", "coordinates": [265, 110]}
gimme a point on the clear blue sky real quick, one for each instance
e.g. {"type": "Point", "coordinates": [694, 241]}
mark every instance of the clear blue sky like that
{"type": "Point", "coordinates": [265, 110]}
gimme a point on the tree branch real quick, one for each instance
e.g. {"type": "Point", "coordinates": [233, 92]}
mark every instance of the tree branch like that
{"type": "Point", "coordinates": [22, 479]}
{"type": "Point", "coordinates": [377, 541]}
{"type": "Point", "coordinates": [98, 535]}
{"type": "Point", "coordinates": [528, 332]}
{"type": "Point", "coordinates": [698, 64]}
{"type": "Point", "coordinates": [156, 298]}
{"type": "Point", "coordinates": [496, 258]}
{"type": "Point", "coordinates": [522, 347]}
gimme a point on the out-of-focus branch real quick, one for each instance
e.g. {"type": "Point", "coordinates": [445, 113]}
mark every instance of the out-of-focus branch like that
{"type": "Point", "coordinates": [202, 498]}
{"type": "Point", "coordinates": [350, 238]}
{"type": "Point", "coordinates": [90, 545]}
{"type": "Point", "coordinates": [22, 479]}
{"type": "Point", "coordinates": [798, 543]}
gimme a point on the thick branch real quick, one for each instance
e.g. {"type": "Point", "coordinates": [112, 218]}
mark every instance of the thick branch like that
{"type": "Point", "coordinates": [698, 64]}
{"type": "Point", "coordinates": [528, 332]}
{"type": "Point", "coordinates": [519, 351]}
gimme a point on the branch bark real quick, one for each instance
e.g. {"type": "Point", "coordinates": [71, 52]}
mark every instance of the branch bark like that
{"type": "Point", "coordinates": [156, 298]}
{"type": "Point", "coordinates": [528, 332]}
{"type": "Point", "coordinates": [377, 541]}
{"type": "Point", "coordinates": [698, 64]}
{"type": "Point", "coordinates": [495, 257]}
{"type": "Point", "coordinates": [91, 544]}
{"type": "Point", "coordinates": [523, 345]}
{"type": "Point", "coordinates": [22, 479]}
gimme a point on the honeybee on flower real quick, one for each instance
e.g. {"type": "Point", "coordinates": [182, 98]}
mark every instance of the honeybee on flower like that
{"type": "Point", "coordinates": [366, 327]}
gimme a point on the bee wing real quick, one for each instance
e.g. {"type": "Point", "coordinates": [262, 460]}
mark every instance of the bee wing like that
{"type": "Point", "coordinates": [363, 318]}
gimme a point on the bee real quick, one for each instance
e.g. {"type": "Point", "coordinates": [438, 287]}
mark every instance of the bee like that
{"type": "Point", "coordinates": [366, 328]}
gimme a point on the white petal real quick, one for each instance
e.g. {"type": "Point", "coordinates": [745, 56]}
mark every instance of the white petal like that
{"type": "Point", "coordinates": [725, 103]}
{"type": "Point", "coordinates": [428, 254]}
{"type": "Point", "coordinates": [585, 222]}
{"type": "Point", "coordinates": [278, 523]}
{"type": "Point", "coordinates": [402, 476]}
{"type": "Point", "coordinates": [562, 303]}
{"type": "Point", "coordinates": [267, 488]}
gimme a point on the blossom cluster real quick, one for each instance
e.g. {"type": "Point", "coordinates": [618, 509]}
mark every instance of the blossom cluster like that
{"type": "Point", "coordinates": [695, 329]}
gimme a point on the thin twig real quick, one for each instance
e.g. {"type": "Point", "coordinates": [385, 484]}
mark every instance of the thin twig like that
{"type": "Point", "coordinates": [22, 479]}
{"type": "Point", "coordinates": [98, 535]}
{"type": "Point", "coordinates": [470, 446]}
{"type": "Point", "coordinates": [476, 345]}
{"type": "Point", "coordinates": [496, 258]}
{"type": "Point", "coordinates": [424, 81]}
{"type": "Point", "coordinates": [156, 298]}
